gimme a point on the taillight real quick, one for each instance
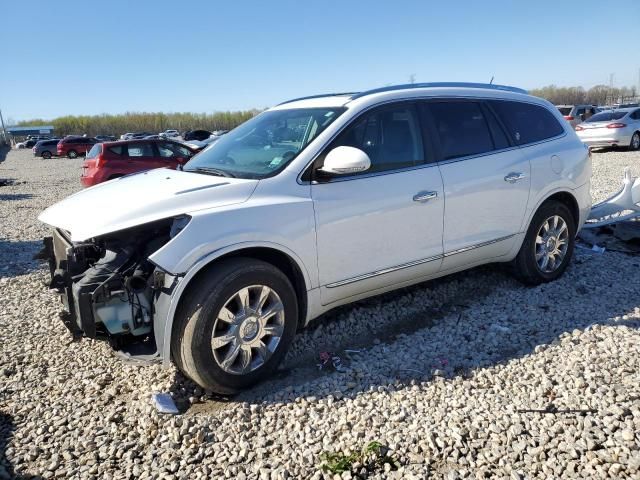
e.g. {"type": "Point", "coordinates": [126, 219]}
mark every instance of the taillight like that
{"type": "Point", "coordinates": [100, 160]}
{"type": "Point", "coordinates": [578, 128]}
{"type": "Point", "coordinates": [568, 117]}
{"type": "Point", "coordinates": [616, 125]}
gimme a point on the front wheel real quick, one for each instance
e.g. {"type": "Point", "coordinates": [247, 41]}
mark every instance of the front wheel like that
{"type": "Point", "coordinates": [235, 325]}
{"type": "Point", "coordinates": [548, 246]}
{"type": "Point", "coordinates": [635, 141]}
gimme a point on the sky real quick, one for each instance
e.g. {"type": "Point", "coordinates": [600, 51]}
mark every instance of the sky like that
{"type": "Point", "coordinates": [90, 57]}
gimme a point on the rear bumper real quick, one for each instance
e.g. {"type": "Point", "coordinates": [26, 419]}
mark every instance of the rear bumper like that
{"type": "Point", "coordinates": [606, 139]}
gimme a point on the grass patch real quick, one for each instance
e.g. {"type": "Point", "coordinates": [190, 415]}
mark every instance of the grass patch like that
{"type": "Point", "coordinates": [370, 458]}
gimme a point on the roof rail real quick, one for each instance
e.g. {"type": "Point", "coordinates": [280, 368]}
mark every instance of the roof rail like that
{"type": "Point", "coordinates": [342, 94]}
{"type": "Point", "coordinates": [391, 88]}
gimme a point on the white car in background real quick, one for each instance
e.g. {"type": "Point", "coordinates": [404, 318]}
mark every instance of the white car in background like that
{"type": "Point", "coordinates": [613, 128]}
{"type": "Point", "coordinates": [170, 134]}
{"type": "Point", "coordinates": [312, 204]}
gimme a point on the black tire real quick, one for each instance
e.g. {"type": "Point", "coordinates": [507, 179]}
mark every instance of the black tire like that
{"type": "Point", "coordinates": [635, 142]}
{"type": "Point", "coordinates": [46, 154]}
{"type": "Point", "coordinates": [72, 154]}
{"type": "Point", "coordinates": [525, 266]}
{"type": "Point", "coordinates": [193, 325]}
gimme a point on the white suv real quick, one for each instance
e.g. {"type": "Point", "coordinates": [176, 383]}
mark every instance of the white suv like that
{"type": "Point", "coordinates": [312, 204]}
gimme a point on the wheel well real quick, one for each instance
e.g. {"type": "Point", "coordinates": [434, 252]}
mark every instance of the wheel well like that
{"type": "Point", "coordinates": [570, 201]}
{"type": "Point", "coordinates": [278, 259]}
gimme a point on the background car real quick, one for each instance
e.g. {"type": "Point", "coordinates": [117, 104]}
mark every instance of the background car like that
{"type": "Point", "coordinates": [105, 138]}
{"type": "Point", "coordinates": [27, 143]}
{"type": "Point", "coordinates": [170, 134]}
{"type": "Point", "coordinates": [199, 135]}
{"type": "Point", "coordinates": [614, 128]}
{"type": "Point", "coordinates": [75, 146]}
{"type": "Point", "coordinates": [110, 160]}
{"type": "Point", "coordinates": [46, 148]}
{"type": "Point", "coordinates": [576, 114]}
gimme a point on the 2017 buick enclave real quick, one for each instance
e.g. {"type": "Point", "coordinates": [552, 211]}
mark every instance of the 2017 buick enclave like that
{"type": "Point", "coordinates": [315, 203]}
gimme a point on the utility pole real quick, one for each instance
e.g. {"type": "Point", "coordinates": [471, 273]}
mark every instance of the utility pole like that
{"type": "Point", "coordinates": [4, 131]}
{"type": "Point", "coordinates": [611, 88]}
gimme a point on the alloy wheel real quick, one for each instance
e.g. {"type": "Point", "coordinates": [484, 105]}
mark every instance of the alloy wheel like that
{"type": "Point", "coordinates": [248, 329]}
{"type": "Point", "coordinates": [635, 141]}
{"type": "Point", "coordinates": [552, 243]}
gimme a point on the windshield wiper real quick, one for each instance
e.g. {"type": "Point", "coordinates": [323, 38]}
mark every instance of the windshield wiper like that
{"type": "Point", "coordinates": [213, 171]}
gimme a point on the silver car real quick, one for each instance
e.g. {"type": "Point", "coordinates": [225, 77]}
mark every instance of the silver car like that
{"type": "Point", "coordinates": [46, 148]}
{"type": "Point", "coordinates": [576, 114]}
{"type": "Point", "coordinates": [615, 128]}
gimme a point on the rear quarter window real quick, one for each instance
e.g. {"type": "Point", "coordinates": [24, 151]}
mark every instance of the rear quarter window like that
{"type": "Point", "coordinates": [117, 149]}
{"type": "Point", "coordinates": [95, 151]}
{"type": "Point", "coordinates": [527, 123]}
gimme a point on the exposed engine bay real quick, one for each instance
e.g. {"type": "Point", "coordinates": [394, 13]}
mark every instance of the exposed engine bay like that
{"type": "Point", "coordinates": [107, 284]}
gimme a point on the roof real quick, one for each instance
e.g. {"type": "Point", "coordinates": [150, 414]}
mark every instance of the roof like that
{"type": "Point", "coordinates": [341, 99]}
{"type": "Point", "coordinates": [29, 129]}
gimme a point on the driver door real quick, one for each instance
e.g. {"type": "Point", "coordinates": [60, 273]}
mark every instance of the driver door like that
{"type": "Point", "coordinates": [382, 228]}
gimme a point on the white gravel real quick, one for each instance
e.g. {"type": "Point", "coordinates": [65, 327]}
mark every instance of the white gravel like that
{"type": "Point", "coordinates": [445, 372]}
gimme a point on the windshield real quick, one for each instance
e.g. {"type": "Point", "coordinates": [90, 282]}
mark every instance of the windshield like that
{"type": "Point", "coordinates": [565, 110]}
{"type": "Point", "coordinates": [606, 116]}
{"type": "Point", "coordinates": [265, 144]}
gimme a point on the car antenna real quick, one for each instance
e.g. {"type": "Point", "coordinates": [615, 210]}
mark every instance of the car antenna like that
{"type": "Point", "coordinates": [491, 81]}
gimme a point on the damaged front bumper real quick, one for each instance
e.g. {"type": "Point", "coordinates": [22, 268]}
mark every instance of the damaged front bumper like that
{"type": "Point", "coordinates": [107, 295]}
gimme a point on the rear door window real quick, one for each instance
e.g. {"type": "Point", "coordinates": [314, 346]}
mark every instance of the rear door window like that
{"type": "Point", "coordinates": [526, 122]}
{"type": "Point", "coordinates": [140, 150]}
{"type": "Point", "coordinates": [461, 128]}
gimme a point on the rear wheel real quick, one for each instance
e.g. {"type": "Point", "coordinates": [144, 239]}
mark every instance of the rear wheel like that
{"type": "Point", "coordinates": [548, 245]}
{"type": "Point", "coordinates": [72, 154]}
{"type": "Point", "coordinates": [635, 141]}
{"type": "Point", "coordinates": [46, 154]}
{"type": "Point", "coordinates": [235, 325]}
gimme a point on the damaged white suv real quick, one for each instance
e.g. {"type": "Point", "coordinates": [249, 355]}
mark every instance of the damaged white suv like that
{"type": "Point", "coordinates": [315, 203]}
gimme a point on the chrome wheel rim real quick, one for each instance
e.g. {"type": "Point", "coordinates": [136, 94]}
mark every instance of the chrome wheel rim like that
{"type": "Point", "coordinates": [635, 141]}
{"type": "Point", "coordinates": [552, 243]}
{"type": "Point", "coordinates": [247, 329]}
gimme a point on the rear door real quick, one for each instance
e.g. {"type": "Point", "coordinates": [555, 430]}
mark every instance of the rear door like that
{"type": "Point", "coordinates": [141, 156]}
{"type": "Point", "coordinates": [486, 181]}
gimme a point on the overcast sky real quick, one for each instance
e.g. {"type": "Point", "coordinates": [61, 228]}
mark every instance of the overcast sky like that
{"type": "Point", "coordinates": [70, 57]}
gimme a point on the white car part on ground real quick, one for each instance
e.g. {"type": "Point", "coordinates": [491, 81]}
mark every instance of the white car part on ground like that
{"type": "Point", "coordinates": [624, 205]}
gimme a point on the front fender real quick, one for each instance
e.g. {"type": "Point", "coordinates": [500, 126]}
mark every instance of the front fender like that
{"type": "Point", "coordinates": [174, 287]}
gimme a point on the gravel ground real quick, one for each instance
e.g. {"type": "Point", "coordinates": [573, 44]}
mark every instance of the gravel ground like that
{"type": "Point", "coordinates": [470, 376]}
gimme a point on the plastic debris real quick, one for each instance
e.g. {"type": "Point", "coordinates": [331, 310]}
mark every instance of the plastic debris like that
{"type": "Point", "coordinates": [328, 359]}
{"type": "Point", "coordinates": [164, 403]}
{"type": "Point", "coordinates": [622, 206]}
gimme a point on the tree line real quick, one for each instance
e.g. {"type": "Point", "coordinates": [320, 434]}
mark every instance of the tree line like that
{"type": "Point", "coordinates": [106, 124]}
{"type": "Point", "coordinates": [597, 95]}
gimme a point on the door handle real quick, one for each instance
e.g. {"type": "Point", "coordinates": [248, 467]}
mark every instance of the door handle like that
{"type": "Point", "coordinates": [424, 196]}
{"type": "Point", "coordinates": [513, 177]}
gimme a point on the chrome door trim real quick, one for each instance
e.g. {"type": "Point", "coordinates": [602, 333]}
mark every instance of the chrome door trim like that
{"type": "Point", "coordinates": [478, 245]}
{"type": "Point", "coordinates": [384, 271]}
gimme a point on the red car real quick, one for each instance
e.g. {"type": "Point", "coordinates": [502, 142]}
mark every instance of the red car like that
{"type": "Point", "coordinates": [73, 146]}
{"type": "Point", "coordinates": [109, 160]}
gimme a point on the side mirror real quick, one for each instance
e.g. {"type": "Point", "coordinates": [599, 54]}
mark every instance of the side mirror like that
{"type": "Point", "coordinates": [345, 160]}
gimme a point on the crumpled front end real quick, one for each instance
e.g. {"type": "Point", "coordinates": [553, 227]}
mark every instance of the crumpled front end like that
{"type": "Point", "coordinates": [108, 286]}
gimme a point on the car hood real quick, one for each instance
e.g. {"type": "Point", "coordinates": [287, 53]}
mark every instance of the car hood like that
{"type": "Point", "coordinates": [142, 198]}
